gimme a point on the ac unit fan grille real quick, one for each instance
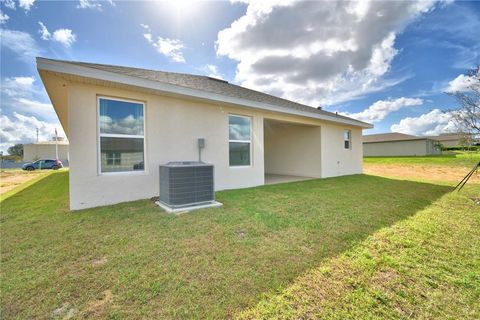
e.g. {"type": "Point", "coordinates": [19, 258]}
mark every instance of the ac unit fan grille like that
{"type": "Point", "coordinates": [186, 183]}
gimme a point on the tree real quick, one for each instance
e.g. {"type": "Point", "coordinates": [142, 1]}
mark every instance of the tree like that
{"type": "Point", "coordinates": [16, 150]}
{"type": "Point", "coordinates": [467, 116]}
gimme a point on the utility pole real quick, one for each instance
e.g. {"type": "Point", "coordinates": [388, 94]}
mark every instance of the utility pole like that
{"type": "Point", "coordinates": [56, 144]}
{"type": "Point", "coordinates": [37, 135]}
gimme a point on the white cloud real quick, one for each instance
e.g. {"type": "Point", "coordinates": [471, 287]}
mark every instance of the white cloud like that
{"type": "Point", "coordinates": [25, 4]}
{"type": "Point", "coordinates": [93, 4]}
{"type": "Point", "coordinates": [212, 71]}
{"type": "Point", "coordinates": [21, 43]}
{"type": "Point", "coordinates": [20, 94]}
{"type": "Point", "coordinates": [34, 107]}
{"type": "Point", "coordinates": [44, 31]}
{"type": "Point", "coordinates": [460, 83]}
{"type": "Point", "coordinates": [17, 86]}
{"type": "Point", "coordinates": [23, 129]}
{"type": "Point", "coordinates": [3, 18]}
{"type": "Point", "coordinates": [428, 124]}
{"type": "Point", "coordinates": [9, 4]}
{"type": "Point", "coordinates": [382, 108]}
{"type": "Point", "coordinates": [127, 125]}
{"type": "Point", "coordinates": [88, 4]}
{"type": "Point", "coordinates": [22, 111]}
{"type": "Point", "coordinates": [336, 51]}
{"type": "Point", "coordinates": [64, 36]}
{"type": "Point", "coordinates": [23, 81]}
{"type": "Point", "coordinates": [171, 48]}
{"type": "Point", "coordinates": [148, 36]}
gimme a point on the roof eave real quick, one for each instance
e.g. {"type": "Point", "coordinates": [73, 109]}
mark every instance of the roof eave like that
{"type": "Point", "coordinates": [82, 71]}
{"type": "Point", "coordinates": [420, 139]}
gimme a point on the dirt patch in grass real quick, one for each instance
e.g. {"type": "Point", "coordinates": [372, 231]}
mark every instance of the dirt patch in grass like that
{"type": "Point", "coordinates": [97, 306]}
{"type": "Point", "coordinates": [427, 172]}
{"type": "Point", "coordinates": [99, 262]}
{"type": "Point", "coordinates": [14, 178]}
{"type": "Point", "coordinates": [476, 200]}
{"type": "Point", "coordinates": [64, 312]}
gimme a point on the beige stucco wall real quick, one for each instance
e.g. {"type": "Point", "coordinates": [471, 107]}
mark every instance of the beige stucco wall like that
{"type": "Point", "coordinates": [292, 149]}
{"type": "Point", "coordinates": [400, 148]}
{"type": "Point", "coordinates": [336, 160]}
{"type": "Point", "coordinates": [171, 131]}
{"type": "Point", "coordinates": [32, 152]}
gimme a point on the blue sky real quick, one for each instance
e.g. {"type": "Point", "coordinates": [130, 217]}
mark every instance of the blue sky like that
{"type": "Point", "coordinates": [388, 63]}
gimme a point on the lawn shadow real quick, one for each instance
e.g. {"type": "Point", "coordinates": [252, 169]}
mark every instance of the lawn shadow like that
{"type": "Point", "coordinates": [51, 187]}
{"type": "Point", "coordinates": [205, 264]}
{"type": "Point", "coordinates": [297, 225]}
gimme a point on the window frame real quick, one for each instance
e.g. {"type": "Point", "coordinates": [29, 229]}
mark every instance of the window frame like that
{"type": "Point", "coordinates": [113, 159]}
{"type": "Point", "coordinates": [241, 141]}
{"type": "Point", "coordinates": [349, 139]}
{"type": "Point", "coordinates": [115, 135]}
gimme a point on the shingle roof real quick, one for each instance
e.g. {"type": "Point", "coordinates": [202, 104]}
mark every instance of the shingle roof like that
{"type": "Point", "coordinates": [207, 84]}
{"type": "Point", "coordinates": [447, 137]}
{"type": "Point", "coordinates": [393, 136]}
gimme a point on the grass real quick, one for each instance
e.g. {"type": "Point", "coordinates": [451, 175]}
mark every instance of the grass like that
{"type": "Point", "coordinates": [133, 261]}
{"type": "Point", "coordinates": [460, 159]}
{"type": "Point", "coordinates": [425, 267]}
{"type": "Point", "coordinates": [12, 181]}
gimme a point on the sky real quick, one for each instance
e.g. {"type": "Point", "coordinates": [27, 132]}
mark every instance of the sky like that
{"type": "Point", "coordinates": [389, 63]}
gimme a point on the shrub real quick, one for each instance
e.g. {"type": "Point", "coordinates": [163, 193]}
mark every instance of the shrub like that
{"type": "Point", "coordinates": [462, 148]}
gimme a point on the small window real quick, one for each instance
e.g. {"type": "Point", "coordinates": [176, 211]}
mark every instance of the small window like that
{"type": "Point", "coordinates": [121, 127]}
{"type": "Point", "coordinates": [347, 139]}
{"type": "Point", "coordinates": [240, 137]}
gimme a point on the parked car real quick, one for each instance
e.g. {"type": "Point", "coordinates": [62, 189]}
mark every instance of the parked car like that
{"type": "Point", "coordinates": [138, 166]}
{"type": "Point", "coordinates": [43, 164]}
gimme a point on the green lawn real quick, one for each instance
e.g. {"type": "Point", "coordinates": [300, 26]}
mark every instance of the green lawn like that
{"type": "Point", "coordinates": [134, 261]}
{"type": "Point", "coordinates": [425, 267]}
{"type": "Point", "coordinates": [460, 159]}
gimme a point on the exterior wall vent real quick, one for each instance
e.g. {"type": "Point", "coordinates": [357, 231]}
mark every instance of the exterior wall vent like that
{"type": "Point", "coordinates": [186, 184]}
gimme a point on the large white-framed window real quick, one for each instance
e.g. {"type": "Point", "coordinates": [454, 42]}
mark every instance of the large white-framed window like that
{"type": "Point", "coordinates": [347, 139]}
{"type": "Point", "coordinates": [121, 135]}
{"type": "Point", "coordinates": [239, 140]}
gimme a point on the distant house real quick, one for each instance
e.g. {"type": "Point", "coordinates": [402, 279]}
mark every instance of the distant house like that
{"type": "Point", "coordinates": [122, 123]}
{"type": "Point", "coordinates": [45, 150]}
{"type": "Point", "coordinates": [452, 139]}
{"type": "Point", "coordinates": [399, 144]}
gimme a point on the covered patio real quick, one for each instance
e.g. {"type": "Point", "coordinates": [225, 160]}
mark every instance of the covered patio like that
{"type": "Point", "coordinates": [292, 151]}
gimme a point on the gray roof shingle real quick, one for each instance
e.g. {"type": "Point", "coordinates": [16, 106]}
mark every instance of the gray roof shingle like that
{"type": "Point", "coordinates": [207, 84]}
{"type": "Point", "coordinates": [392, 136]}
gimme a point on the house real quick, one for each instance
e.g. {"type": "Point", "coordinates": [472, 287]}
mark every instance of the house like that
{"type": "Point", "coordinates": [399, 144]}
{"type": "Point", "coordinates": [454, 139]}
{"type": "Point", "coordinates": [122, 123]}
{"type": "Point", "coordinates": [45, 150]}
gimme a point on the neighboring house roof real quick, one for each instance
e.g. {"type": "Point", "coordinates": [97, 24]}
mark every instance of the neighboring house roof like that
{"type": "Point", "coordinates": [40, 143]}
{"type": "Point", "coordinates": [391, 137]}
{"type": "Point", "coordinates": [190, 85]}
{"type": "Point", "coordinates": [447, 137]}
